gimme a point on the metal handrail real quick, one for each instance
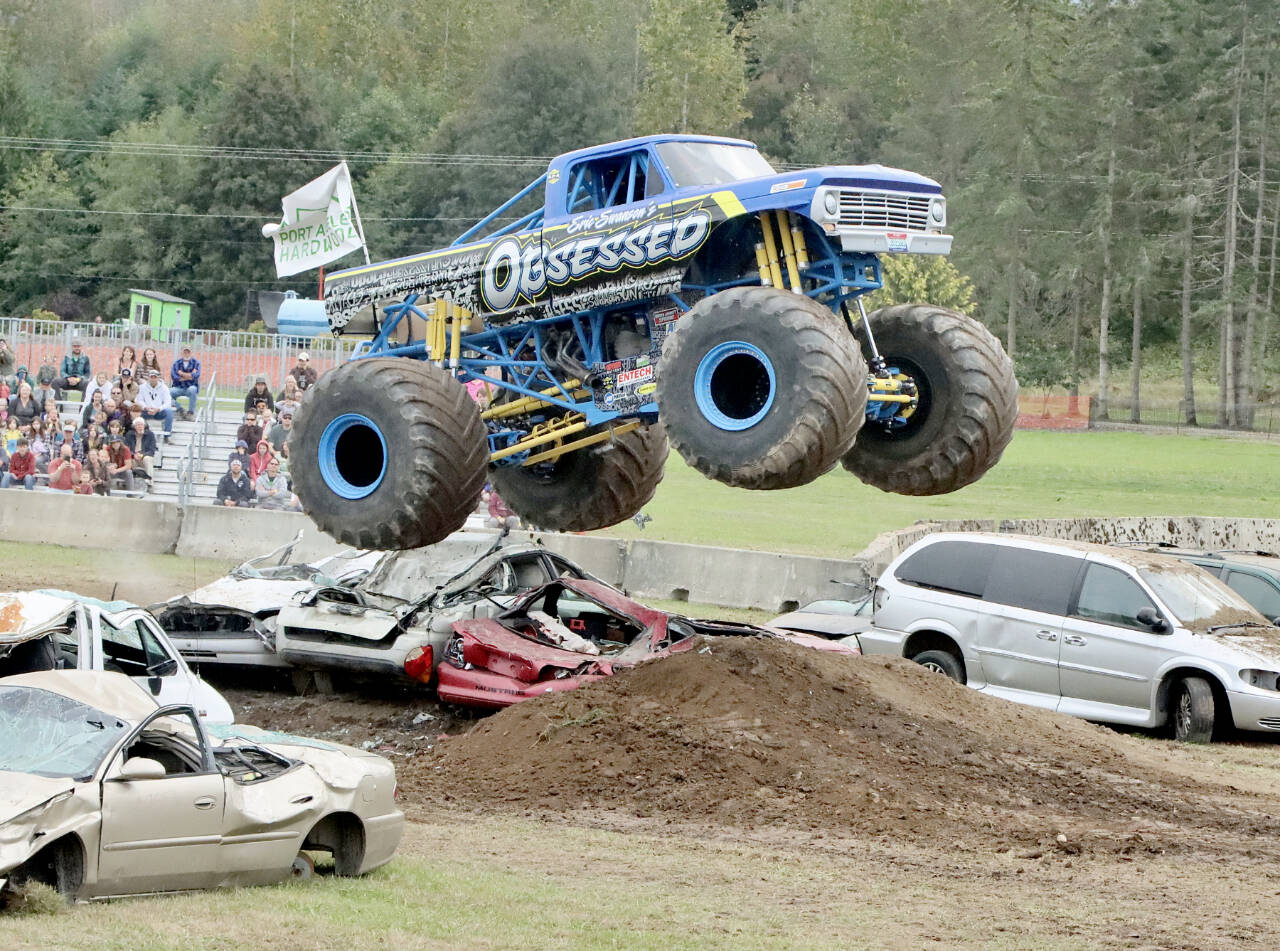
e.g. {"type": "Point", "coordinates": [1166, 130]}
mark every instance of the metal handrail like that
{"type": "Point", "coordinates": [205, 423]}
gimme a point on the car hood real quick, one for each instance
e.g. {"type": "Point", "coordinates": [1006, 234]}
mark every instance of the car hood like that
{"type": "Point", "coordinates": [1254, 646]}
{"type": "Point", "coordinates": [27, 614]}
{"type": "Point", "coordinates": [251, 595]}
{"type": "Point", "coordinates": [829, 625]}
{"type": "Point", "coordinates": [21, 792]}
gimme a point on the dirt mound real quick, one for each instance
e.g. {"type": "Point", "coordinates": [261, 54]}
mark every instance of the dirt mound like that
{"type": "Point", "coordinates": [746, 733]}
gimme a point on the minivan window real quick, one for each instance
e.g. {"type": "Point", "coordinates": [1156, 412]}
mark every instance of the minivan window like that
{"type": "Point", "coordinates": [1034, 580]}
{"type": "Point", "coordinates": [1112, 597]}
{"type": "Point", "coordinates": [955, 566]}
{"type": "Point", "coordinates": [1256, 591]}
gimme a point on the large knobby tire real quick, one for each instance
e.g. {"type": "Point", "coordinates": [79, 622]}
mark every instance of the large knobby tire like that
{"type": "Point", "coordinates": [388, 453]}
{"type": "Point", "coordinates": [761, 388]}
{"type": "Point", "coordinates": [590, 488]}
{"type": "Point", "coordinates": [967, 404]}
{"type": "Point", "coordinates": [1194, 711]}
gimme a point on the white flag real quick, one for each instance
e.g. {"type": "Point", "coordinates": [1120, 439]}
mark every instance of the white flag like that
{"type": "Point", "coordinates": [321, 224]}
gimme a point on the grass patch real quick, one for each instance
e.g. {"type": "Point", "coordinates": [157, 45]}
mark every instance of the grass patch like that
{"type": "Point", "coordinates": [32, 898]}
{"type": "Point", "coordinates": [1042, 475]}
{"type": "Point", "coordinates": [141, 578]}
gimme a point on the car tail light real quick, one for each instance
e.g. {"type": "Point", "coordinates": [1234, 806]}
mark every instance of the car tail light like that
{"type": "Point", "coordinates": [418, 663]}
{"type": "Point", "coordinates": [453, 652]}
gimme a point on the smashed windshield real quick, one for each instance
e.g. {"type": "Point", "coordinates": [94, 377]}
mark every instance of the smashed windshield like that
{"type": "Point", "coordinates": [1197, 599]}
{"type": "Point", "coordinates": [707, 163]}
{"type": "Point", "coordinates": [47, 734]}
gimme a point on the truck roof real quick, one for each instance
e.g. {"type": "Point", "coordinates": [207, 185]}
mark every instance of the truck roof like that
{"type": "Point", "coordinates": [624, 145]}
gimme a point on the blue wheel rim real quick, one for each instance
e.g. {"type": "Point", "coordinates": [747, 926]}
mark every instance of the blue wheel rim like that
{"type": "Point", "coordinates": [345, 477]}
{"type": "Point", "coordinates": [734, 385]}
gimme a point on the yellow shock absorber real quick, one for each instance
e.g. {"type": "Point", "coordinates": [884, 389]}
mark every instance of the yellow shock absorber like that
{"type": "Point", "coordinates": [784, 232]}
{"type": "Point", "coordinates": [762, 262]}
{"type": "Point", "coordinates": [439, 308]}
{"type": "Point", "coordinates": [460, 316]}
{"type": "Point", "coordinates": [771, 249]}
{"type": "Point", "coordinates": [802, 249]}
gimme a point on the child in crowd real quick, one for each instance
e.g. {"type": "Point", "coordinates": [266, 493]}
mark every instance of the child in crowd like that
{"type": "Point", "coordinates": [85, 486]}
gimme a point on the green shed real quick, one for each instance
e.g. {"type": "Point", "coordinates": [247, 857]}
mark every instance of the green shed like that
{"type": "Point", "coordinates": [160, 312]}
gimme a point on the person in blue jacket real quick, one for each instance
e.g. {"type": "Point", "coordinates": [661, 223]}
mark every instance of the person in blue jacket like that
{"type": "Point", "coordinates": [184, 380]}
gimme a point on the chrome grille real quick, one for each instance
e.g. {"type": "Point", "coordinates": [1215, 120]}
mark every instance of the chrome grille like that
{"type": "Point", "coordinates": [1269, 723]}
{"type": "Point", "coordinates": [891, 211]}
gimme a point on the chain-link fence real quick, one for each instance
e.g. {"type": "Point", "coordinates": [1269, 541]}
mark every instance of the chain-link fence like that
{"type": "Point", "coordinates": [1260, 418]}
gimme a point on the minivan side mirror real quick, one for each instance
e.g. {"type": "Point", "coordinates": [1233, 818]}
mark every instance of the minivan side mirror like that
{"type": "Point", "coordinates": [1151, 619]}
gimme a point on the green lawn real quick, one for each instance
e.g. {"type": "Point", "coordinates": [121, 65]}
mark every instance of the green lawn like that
{"type": "Point", "coordinates": [1042, 475]}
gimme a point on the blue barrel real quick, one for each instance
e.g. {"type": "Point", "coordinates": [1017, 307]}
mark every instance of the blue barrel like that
{"type": "Point", "coordinates": [300, 317]}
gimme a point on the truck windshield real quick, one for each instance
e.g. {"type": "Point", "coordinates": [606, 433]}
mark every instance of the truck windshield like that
{"type": "Point", "coordinates": [708, 163]}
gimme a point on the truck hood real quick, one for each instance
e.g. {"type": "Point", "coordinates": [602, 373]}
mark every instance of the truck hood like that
{"type": "Point", "coordinates": [801, 183]}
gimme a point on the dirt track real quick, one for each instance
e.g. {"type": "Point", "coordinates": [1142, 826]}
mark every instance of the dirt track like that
{"type": "Point", "coordinates": [769, 740]}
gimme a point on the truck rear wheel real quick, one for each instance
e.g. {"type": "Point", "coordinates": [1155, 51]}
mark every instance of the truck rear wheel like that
{"type": "Point", "coordinates": [761, 388]}
{"type": "Point", "coordinates": [388, 453]}
{"type": "Point", "coordinates": [590, 488]}
{"type": "Point", "coordinates": [967, 403]}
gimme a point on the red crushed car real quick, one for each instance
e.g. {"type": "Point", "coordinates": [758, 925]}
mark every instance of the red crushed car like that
{"type": "Point", "coordinates": [567, 633]}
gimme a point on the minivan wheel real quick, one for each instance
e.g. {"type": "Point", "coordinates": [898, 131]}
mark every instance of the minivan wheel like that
{"type": "Point", "coordinates": [1194, 711]}
{"type": "Point", "coordinates": [942, 662]}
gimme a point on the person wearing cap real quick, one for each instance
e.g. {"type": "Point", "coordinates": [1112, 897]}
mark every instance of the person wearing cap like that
{"type": "Point", "coordinates": [303, 373]}
{"type": "Point", "coordinates": [241, 452]}
{"type": "Point", "coordinates": [259, 391]}
{"type": "Point", "coordinates": [129, 385]}
{"type": "Point", "coordinates": [46, 397]}
{"type": "Point", "coordinates": [67, 436]}
{"type": "Point", "coordinates": [74, 373]}
{"type": "Point", "coordinates": [64, 471]}
{"type": "Point", "coordinates": [279, 433]}
{"type": "Point", "coordinates": [120, 463]}
{"type": "Point", "coordinates": [234, 488]}
{"type": "Point", "coordinates": [184, 380]}
{"type": "Point", "coordinates": [154, 401]}
{"type": "Point", "coordinates": [142, 443]}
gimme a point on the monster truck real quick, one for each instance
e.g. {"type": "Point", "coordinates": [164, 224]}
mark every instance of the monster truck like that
{"type": "Point", "coordinates": [671, 287]}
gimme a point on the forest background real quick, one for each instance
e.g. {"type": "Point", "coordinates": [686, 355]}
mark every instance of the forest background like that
{"type": "Point", "coordinates": [1110, 167]}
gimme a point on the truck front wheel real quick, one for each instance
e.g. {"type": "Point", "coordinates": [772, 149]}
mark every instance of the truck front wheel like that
{"type": "Point", "coordinates": [967, 403]}
{"type": "Point", "coordinates": [761, 388]}
{"type": "Point", "coordinates": [388, 453]}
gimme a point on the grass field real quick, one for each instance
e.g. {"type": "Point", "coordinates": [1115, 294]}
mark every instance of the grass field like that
{"type": "Point", "coordinates": [1042, 475]}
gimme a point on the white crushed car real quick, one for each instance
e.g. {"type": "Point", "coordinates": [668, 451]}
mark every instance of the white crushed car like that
{"type": "Point", "coordinates": [103, 792]}
{"type": "Point", "coordinates": [397, 620]}
{"type": "Point", "coordinates": [233, 620]}
{"type": "Point", "coordinates": [57, 630]}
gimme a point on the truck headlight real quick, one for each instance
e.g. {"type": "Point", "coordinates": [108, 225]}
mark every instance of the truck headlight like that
{"type": "Point", "coordinates": [831, 202]}
{"type": "Point", "coordinates": [938, 210]}
{"type": "Point", "coordinates": [1262, 679]}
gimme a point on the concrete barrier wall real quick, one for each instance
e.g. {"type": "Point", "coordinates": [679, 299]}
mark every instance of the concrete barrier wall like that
{"type": "Point", "coordinates": [646, 569]}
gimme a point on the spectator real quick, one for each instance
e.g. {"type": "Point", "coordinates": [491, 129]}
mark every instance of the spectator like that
{"type": "Point", "coordinates": [75, 370]}
{"type": "Point", "coordinates": [279, 433]}
{"type": "Point", "coordinates": [128, 387]}
{"type": "Point", "coordinates": [257, 392]}
{"type": "Point", "coordinates": [241, 452]}
{"type": "Point", "coordinates": [46, 397]}
{"type": "Point", "coordinates": [24, 406]}
{"type": "Point", "coordinates": [234, 490]}
{"type": "Point", "coordinates": [67, 436]}
{"type": "Point", "coordinates": [142, 443]}
{"type": "Point", "coordinates": [150, 361]}
{"type": "Point", "coordinates": [184, 380]}
{"type": "Point", "coordinates": [8, 362]}
{"type": "Point", "coordinates": [99, 469]}
{"type": "Point", "coordinates": [500, 516]}
{"type": "Point", "coordinates": [120, 463]}
{"type": "Point", "coordinates": [64, 474]}
{"type": "Point", "coordinates": [303, 373]}
{"type": "Point", "coordinates": [11, 435]}
{"type": "Point", "coordinates": [262, 455]}
{"type": "Point", "coordinates": [39, 447]}
{"type": "Point", "coordinates": [85, 485]}
{"type": "Point", "coordinates": [91, 407]}
{"type": "Point", "coordinates": [272, 490]}
{"type": "Point", "coordinates": [101, 383]}
{"type": "Point", "coordinates": [47, 372]}
{"type": "Point", "coordinates": [128, 361]}
{"type": "Point", "coordinates": [290, 397]}
{"type": "Point", "coordinates": [22, 467]}
{"type": "Point", "coordinates": [21, 375]}
{"type": "Point", "coordinates": [155, 402]}
{"type": "Point", "coordinates": [250, 432]}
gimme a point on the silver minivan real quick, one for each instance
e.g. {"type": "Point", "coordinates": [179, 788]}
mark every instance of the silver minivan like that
{"type": "Point", "coordinates": [1106, 634]}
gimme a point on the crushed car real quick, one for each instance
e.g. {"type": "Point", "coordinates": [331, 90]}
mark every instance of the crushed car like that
{"type": "Point", "coordinates": [233, 620]}
{"type": "Point", "coordinates": [571, 632]}
{"type": "Point", "coordinates": [831, 618]}
{"type": "Point", "coordinates": [398, 619]}
{"type": "Point", "coordinates": [56, 630]}
{"type": "Point", "coordinates": [104, 792]}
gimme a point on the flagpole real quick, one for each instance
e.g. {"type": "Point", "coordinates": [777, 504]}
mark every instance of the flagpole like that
{"type": "Point", "coordinates": [355, 209]}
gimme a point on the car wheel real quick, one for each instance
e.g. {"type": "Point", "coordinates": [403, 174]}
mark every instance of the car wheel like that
{"type": "Point", "coordinates": [942, 662]}
{"type": "Point", "coordinates": [1194, 711]}
{"type": "Point", "coordinates": [303, 868]}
